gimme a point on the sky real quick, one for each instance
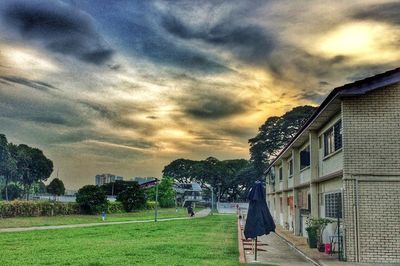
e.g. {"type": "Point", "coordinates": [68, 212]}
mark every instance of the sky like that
{"type": "Point", "coordinates": [125, 87]}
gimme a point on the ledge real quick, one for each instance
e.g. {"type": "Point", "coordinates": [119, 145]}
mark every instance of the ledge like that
{"type": "Point", "coordinates": [331, 154]}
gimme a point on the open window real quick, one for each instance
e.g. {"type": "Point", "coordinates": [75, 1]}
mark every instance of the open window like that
{"type": "Point", "coordinates": [333, 138]}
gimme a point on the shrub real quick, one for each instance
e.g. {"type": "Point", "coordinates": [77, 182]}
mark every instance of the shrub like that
{"type": "Point", "coordinates": [115, 207]}
{"type": "Point", "coordinates": [132, 198]}
{"type": "Point", "coordinates": [36, 208]}
{"type": "Point", "coordinates": [150, 205]}
{"type": "Point", "coordinates": [91, 199]}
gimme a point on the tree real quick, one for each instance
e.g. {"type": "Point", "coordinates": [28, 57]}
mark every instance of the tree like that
{"type": "Point", "coordinates": [56, 187]}
{"type": "Point", "coordinates": [33, 166]}
{"type": "Point", "coordinates": [181, 170]}
{"type": "Point", "coordinates": [166, 192]}
{"type": "Point", "coordinates": [8, 164]}
{"type": "Point", "coordinates": [274, 134]}
{"type": "Point", "coordinates": [221, 175]}
{"type": "Point", "coordinates": [115, 188]}
{"type": "Point", "coordinates": [132, 198]}
{"type": "Point", "coordinates": [13, 191]}
{"type": "Point", "coordinates": [91, 199]}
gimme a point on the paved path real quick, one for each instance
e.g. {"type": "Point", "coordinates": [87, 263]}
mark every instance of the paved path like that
{"type": "Point", "coordinates": [199, 214]}
{"type": "Point", "coordinates": [278, 252]}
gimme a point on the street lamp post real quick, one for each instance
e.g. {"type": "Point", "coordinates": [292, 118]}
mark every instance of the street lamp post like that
{"type": "Point", "coordinates": [155, 207]}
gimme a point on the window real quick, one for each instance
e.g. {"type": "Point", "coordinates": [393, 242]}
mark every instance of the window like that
{"type": "Point", "coordinates": [303, 199]}
{"type": "Point", "coordinates": [305, 157]}
{"type": "Point", "coordinates": [333, 138]}
{"type": "Point", "coordinates": [290, 168]}
{"type": "Point", "coordinates": [280, 174]}
{"type": "Point", "coordinates": [333, 205]}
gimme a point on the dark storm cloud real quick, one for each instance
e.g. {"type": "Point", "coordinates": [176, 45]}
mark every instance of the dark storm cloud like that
{"type": "Point", "coordinates": [59, 27]}
{"type": "Point", "coordinates": [248, 42]}
{"type": "Point", "coordinates": [213, 106]}
{"type": "Point", "coordinates": [388, 12]}
{"type": "Point", "coordinates": [35, 84]}
{"type": "Point", "coordinates": [39, 110]}
{"type": "Point", "coordinates": [133, 27]}
{"type": "Point", "coordinates": [149, 43]}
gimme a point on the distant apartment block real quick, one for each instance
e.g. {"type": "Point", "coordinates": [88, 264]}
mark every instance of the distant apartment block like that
{"type": "Point", "coordinates": [106, 178]}
{"type": "Point", "coordinates": [345, 163]}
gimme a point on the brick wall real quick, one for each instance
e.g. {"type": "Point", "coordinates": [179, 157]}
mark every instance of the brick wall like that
{"type": "Point", "coordinates": [379, 221]}
{"type": "Point", "coordinates": [371, 156]}
{"type": "Point", "coordinates": [371, 132]}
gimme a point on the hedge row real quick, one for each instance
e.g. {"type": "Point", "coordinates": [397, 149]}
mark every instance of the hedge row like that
{"type": "Point", "coordinates": [18, 208]}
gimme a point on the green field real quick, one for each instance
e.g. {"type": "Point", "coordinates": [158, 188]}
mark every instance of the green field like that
{"type": "Point", "coordinates": [81, 219]}
{"type": "Point", "coordinates": [210, 240]}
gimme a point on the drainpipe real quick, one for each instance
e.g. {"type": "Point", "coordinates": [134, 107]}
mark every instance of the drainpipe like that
{"type": "Point", "coordinates": [357, 222]}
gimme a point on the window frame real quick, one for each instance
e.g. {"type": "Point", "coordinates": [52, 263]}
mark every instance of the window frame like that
{"type": "Point", "coordinates": [290, 168]}
{"type": "Point", "coordinates": [280, 174]}
{"type": "Point", "coordinates": [333, 138]}
{"type": "Point", "coordinates": [309, 158]}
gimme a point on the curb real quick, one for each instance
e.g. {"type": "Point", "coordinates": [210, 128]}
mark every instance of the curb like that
{"type": "Point", "coordinates": [299, 251]}
{"type": "Point", "coordinates": [242, 257]}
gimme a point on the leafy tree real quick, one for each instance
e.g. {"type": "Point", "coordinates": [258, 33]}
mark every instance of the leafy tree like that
{"type": "Point", "coordinates": [221, 175]}
{"type": "Point", "coordinates": [56, 187]}
{"type": "Point", "coordinates": [274, 134]}
{"type": "Point", "coordinates": [13, 191]}
{"type": "Point", "coordinates": [8, 164]}
{"type": "Point", "coordinates": [181, 170]}
{"type": "Point", "coordinates": [166, 192]}
{"type": "Point", "coordinates": [33, 165]}
{"type": "Point", "coordinates": [132, 198]}
{"type": "Point", "coordinates": [115, 188]}
{"type": "Point", "coordinates": [91, 199]}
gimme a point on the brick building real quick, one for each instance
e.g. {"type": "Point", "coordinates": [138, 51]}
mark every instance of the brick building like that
{"type": "Point", "coordinates": [345, 161]}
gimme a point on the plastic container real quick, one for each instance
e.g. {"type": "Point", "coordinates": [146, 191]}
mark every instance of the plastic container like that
{"type": "Point", "coordinates": [328, 248]}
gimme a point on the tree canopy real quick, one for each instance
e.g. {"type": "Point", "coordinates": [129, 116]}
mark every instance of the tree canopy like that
{"type": "Point", "coordinates": [274, 134]}
{"type": "Point", "coordinates": [221, 175]}
{"type": "Point", "coordinates": [133, 197]}
{"type": "Point", "coordinates": [23, 164]}
{"type": "Point", "coordinates": [56, 187]}
{"type": "Point", "coordinates": [91, 199]}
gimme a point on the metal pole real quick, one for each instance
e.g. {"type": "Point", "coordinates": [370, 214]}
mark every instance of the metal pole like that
{"type": "Point", "coordinates": [212, 200]}
{"type": "Point", "coordinates": [155, 208]}
{"type": "Point", "coordinates": [255, 251]}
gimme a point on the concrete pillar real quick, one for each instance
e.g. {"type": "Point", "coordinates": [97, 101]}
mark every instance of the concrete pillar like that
{"type": "Point", "coordinates": [285, 208]}
{"type": "Point", "coordinates": [277, 207]}
{"type": "Point", "coordinates": [296, 182]}
{"type": "Point", "coordinates": [314, 152]}
{"type": "Point", "coordinates": [314, 200]}
{"type": "Point", "coordinates": [296, 218]}
{"type": "Point", "coordinates": [296, 167]}
{"type": "Point", "coordinates": [285, 169]}
{"type": "Point", "coordinates": [276, 178]}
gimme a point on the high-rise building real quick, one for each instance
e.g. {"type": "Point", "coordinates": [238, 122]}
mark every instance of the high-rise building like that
{"type": "Point", "coordinates": [107, 178]}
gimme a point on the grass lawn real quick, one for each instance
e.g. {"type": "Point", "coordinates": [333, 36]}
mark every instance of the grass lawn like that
{"type": "Point", "coordinates": [80, 219]}
{"type": "Point", "coordinates": [210, 240]}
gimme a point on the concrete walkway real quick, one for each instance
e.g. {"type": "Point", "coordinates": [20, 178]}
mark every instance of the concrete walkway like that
{"type": "Point", "coordinates": [199, 214]}
{"type": "Point", "coordinates": [277, 252]}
